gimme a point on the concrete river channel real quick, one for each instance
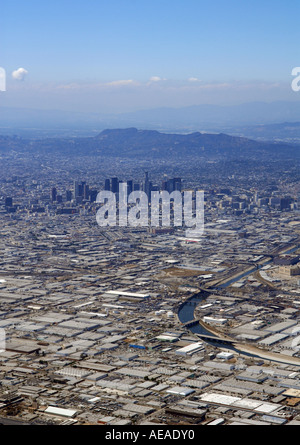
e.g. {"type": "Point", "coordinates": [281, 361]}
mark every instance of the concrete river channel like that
{"type": "Point", "coordinates": [186, 317]}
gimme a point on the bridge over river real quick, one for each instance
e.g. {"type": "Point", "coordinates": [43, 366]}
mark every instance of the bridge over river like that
{"type": "Point", "coordinates": [207, 336]}
{"type": "Point", "coordinates": [186, 316]}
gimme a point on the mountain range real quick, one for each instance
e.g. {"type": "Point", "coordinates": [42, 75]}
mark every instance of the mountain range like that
{"type": "Point", "coordinates": [235, 119]}
{"type": "Point", "coordinates": [149, 144]}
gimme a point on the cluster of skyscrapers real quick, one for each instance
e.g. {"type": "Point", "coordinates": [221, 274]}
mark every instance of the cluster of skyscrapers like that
{"type": "Point", "coordinates": [147, 186]}
{"type": "Point", "coordinates": [81, 192]}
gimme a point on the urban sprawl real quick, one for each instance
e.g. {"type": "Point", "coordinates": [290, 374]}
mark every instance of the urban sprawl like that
{"type": "Point", "coordinates": [143, 325]}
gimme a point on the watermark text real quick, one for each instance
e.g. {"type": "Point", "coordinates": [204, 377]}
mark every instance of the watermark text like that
{"type": "Point", "coordinates": [2, 79]}
{"type": "Point", "coordinates": [296, 81]}
{"type": "Point", "coordinates": [160, 209]}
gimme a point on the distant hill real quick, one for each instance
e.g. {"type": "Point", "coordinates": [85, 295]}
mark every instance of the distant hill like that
{"type": "Point", "coordinates": [149, 144]}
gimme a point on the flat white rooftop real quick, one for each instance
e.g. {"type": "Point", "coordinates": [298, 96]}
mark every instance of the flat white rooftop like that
{"type": "Point", "coordinates": [60, 411]}
{"type": "Point", "coordinates": [127, 294]}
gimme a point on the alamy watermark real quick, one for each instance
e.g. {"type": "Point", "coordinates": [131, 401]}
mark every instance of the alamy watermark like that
{"type": "Point", "coordinates": [2, 340]}
{"type": "Point", "coordinates": [160, 209]}
{"type": "Point", "coordinates": [18, 74]}
{"type": "Point", "coordinates": [296, 81]}
{"type": "Point", "coordinates": [2, 79]}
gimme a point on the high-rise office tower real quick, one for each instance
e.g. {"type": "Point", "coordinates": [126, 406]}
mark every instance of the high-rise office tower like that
{"type": "Point", "coordinates": [53, 194]}
{"type": "Point", "coordinates": [93, 195]}
{"type": "Point", "coordinates": [129, 187]}
{"type": "Point", "coordinates": [68, 195]}
{"type": "Point", "coordinates": [147, 185]}
{"type": "Point", "coordinates": [76, 189]}
{"type": "Point", "coordinates": [81, 188]}
{"type": "Point", "coordinates": [8, 202]}
{"type": "Point", "coordinates": [114, 185]}
{"type": "Point", "coordinates": [285, 203]}
{"type": "Point", "coordinates": [164, 185]}
{"type": "Point", "coordinates": [170, 185]}
{"type": "Point", "coordinates": [86, 192]}
{"type": "Point", "coordinates": [177, 184]}
{"type": "Point", "coordinates": [107, 184]}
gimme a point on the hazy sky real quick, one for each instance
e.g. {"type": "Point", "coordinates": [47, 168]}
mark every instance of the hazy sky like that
{"type": "Point", "coordinates": [119, 55]}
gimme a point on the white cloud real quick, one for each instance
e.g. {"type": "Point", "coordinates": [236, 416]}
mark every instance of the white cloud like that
{"type": "Point", "coordinates": [155, 79]}
{"type": "Point", "coordinates": [194, 79]}
{"type": "Point", "coordinates": [19, 74]}
{"type": "Point", "coordinates": [121, 82]}
{"type": "Point", "coordinates": [97, 86]}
